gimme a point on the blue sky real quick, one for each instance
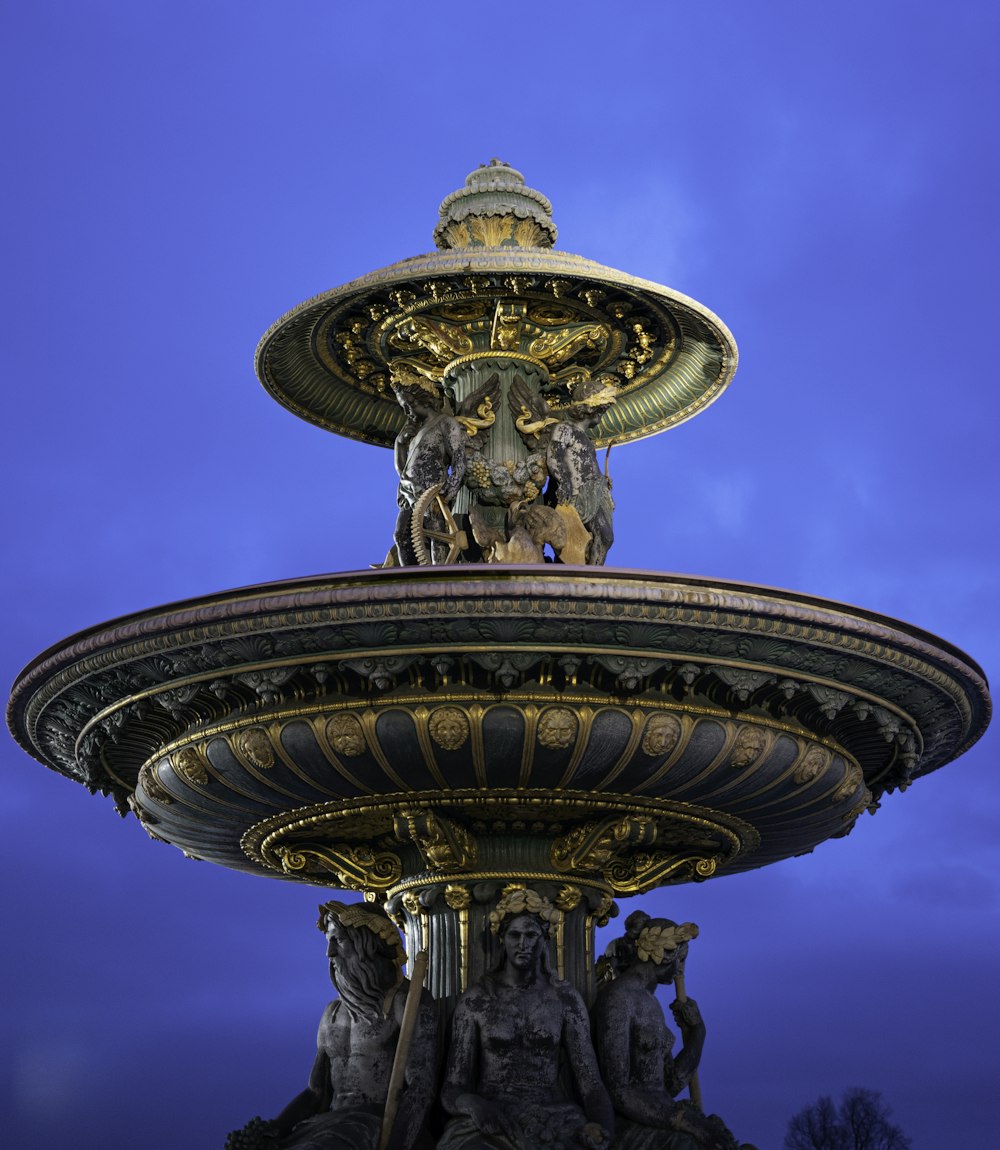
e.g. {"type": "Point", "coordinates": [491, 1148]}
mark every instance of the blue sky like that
{"type": "Point", "coordinates": [823, 177]}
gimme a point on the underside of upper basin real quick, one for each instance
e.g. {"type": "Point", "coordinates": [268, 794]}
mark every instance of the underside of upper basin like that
{"type": "Point", "coordinates": [739, 722]}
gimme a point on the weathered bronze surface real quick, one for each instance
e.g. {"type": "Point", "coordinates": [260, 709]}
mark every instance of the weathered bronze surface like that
{"type": "Point", "coordinates": [635, 1048]}
{"type": "Point", "coordinates": [343, 1107]}
{"type": "Point", "coordinates": [516, 1036]}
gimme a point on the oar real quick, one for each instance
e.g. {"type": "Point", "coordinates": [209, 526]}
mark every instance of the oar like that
{"type": "Point", "coordinates": [694, 1086]}
{"type": "Point", "coordinates": [397, 1079]}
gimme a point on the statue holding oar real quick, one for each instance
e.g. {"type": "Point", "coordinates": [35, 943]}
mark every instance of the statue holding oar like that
{"type": "Point", "coordinates": [373, 1079]}
{"type": "Point", "coordinates": [635, 1047]}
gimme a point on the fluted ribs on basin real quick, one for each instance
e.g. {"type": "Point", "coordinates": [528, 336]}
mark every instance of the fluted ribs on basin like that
{"type": "Point", "coordinates": [772, 717]}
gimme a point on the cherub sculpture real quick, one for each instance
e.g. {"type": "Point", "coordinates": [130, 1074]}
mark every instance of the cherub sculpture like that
{"type": "Point", "coordinates": [634, 1046]}
{"type": "Point", "coordinates": [510, 1034]}
{"type": "Point", "coordinates": [343, 1106]}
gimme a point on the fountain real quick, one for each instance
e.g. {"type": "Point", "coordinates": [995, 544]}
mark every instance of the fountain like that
{"type": "Point", "coordinates": [493, 706]}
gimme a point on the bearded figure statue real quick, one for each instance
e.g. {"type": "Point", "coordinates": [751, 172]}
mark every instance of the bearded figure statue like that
{"type": "Point", "coordinates": [344, 1104]}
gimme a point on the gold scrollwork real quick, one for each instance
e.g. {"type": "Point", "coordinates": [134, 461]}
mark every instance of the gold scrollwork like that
{"type": "Point", "coordinates": [355, 867]}
{"type": "Point", "coordinates": [642, 871]}
{"type": "Point", "coordinates": [442, 340]}
{"type": "Point", "coordinates": [593, 846]}
{"type": "Point", "coordinates": [556, 348]}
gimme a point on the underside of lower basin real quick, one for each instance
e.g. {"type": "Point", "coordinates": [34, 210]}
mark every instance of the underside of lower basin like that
{"type": "Point", "coordinates": [628, 728]}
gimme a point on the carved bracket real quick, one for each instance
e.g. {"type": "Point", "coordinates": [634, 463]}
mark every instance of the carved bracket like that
{"type": "Point", "coordinates": [643, 871]}
{"type": "Point", "coordinates": [355, 867]}
{"type": "Point", "coordinates": [444, 845]}
{"type": "Point", "coordinates": [593, 846]}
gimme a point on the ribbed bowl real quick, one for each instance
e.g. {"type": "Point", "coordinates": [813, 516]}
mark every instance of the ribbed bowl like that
{"type": "Point", "coordinates": [729, 725]}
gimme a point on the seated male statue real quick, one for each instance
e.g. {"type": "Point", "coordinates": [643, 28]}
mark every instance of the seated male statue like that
{"type": "Point", "coordinates": [510, 1035]}
{"type": "Point", "coordinates": [342, 1107]}
{"type": "Point", "coordinates": [634, 1046]}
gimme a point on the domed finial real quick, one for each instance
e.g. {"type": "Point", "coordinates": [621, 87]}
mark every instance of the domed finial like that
{"type": "Point", "coordinates": [495, 209]}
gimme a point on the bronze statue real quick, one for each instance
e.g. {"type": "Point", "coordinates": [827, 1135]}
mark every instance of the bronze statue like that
{"type": "Point", "coordinates": [577, 489]}
{"type": "Point", "coordinates": [510, 1034]}
{"type": "Point", "coordinates": [432, 456]}
{"type": "Point", "coordinates": [634, 1044]}
{"type": "Point", "coordinates": [343, 1105]}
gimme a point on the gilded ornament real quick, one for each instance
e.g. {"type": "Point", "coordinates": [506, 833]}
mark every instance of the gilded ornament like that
{"type": "Point", "coordinates": [442, 340]}
{"type": "Point", "coordinates": [456, 235]}
{"type": "Point", "coordinates": [604, 910]}
{"type": "Point", "coordinates": [813, 764]}
{"type": "Point", "coordinates": [411, 903]}
{"type": "Point", "coordinates": [662, 734]}
{"type": "Point", "coordinates": [490, 231]}
{"type": "Point", "coordinates": [485, 417]}
{"type": "Point", "coordinates": [517, 899]}
{"type": "Point", "coordinates": [527, 234]}
{"type": "Point", "coordinates": [568, 898]}
{"type": "Point", "coordinates": [443, 843]}
{"type": "Point", "coordinates": [557, 728]}
{"type": "Point", "coordinates": [187, 763]}
{"type": "Point", "coordinates": [449, 727]}
{"type": "Point", "coordinates": [655, 943]}
{"type": "Point", "coordinates": [643, 348]}
{"type": "Point", "coordinates": [642, 871]}
{"type": "Point", "coordinates": [150, 782]}
{"type": "Point", "coordinates": [853, 778]}
{"type": "Point", "coordinates": [355, 867]}
{"type": "Point", "coordinates": [558, 348]}
{"type": "Point", "coordinates": [346, 735]}
{"type": "Point", "coordinates": [748, 747]}
{"type": "Point", "coordinates": [255, 746]}
{"type": "Point", "coordinates": [457, 897]}
{"type": "Point", "coordinates": [593, 846]}
{"type": "Point", "coordinates": [506, 333]}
